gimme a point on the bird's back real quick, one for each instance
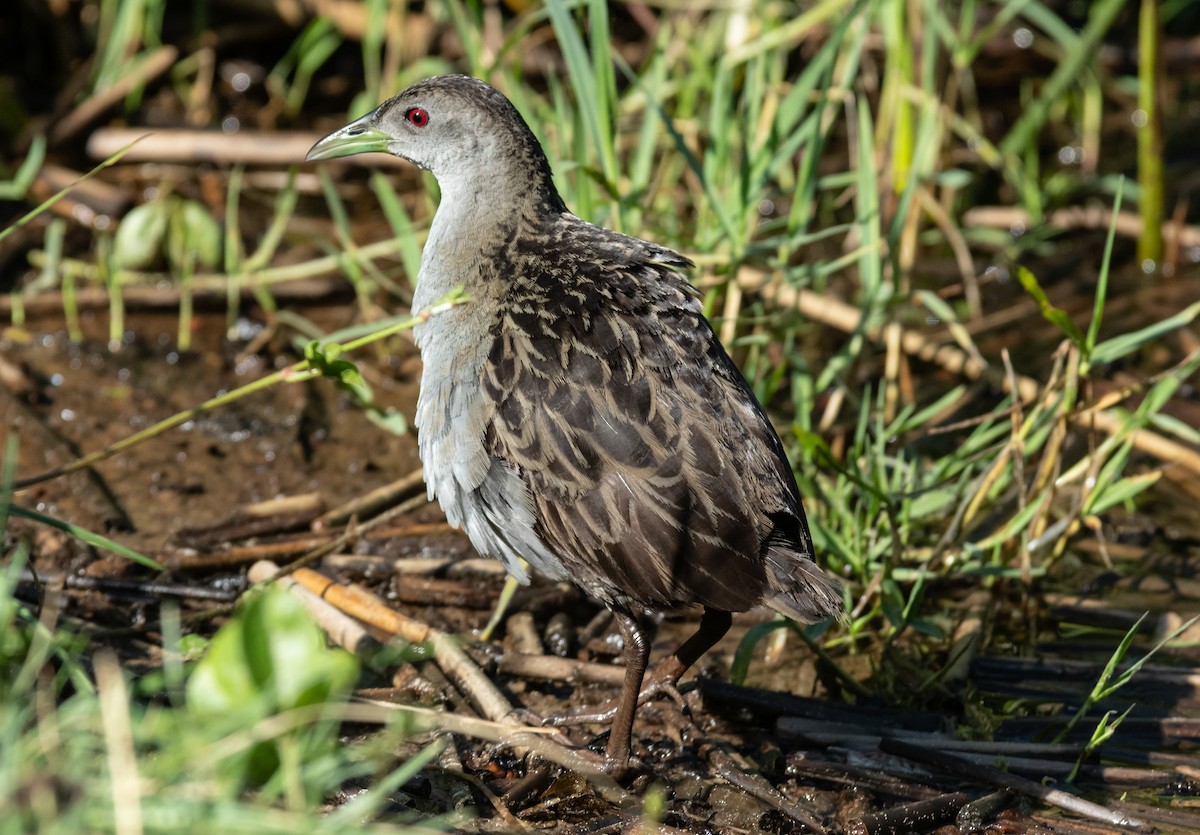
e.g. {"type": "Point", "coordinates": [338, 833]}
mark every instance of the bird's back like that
{"type": "Point", "coordinates": [620, 446]}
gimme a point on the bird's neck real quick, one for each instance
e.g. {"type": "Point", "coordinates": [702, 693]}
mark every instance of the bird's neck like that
{"type": "Point", "coordinates": [476, 219]}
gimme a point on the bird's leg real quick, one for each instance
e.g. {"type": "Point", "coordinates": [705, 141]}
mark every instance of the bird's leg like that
{"type": "Point", "coordinates": [637, 653]}
{"type": "Point", "coordinates": [714, 623]}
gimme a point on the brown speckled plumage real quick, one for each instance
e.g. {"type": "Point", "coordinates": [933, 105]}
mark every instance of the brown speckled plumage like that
{"type": "Point", "coordinates": [579, 412]}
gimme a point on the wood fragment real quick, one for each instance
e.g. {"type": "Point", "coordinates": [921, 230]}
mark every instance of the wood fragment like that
{"type": "Point", "coordinates": [239, 527]}
{"type": "Point", "coordinates": [921, 816]}
{"type": "Point", "coordinates": [449, 566]}
{"type": "Point", "coordinates": [371, 609]}
{"type": "Point", "coordinates": [372, 503]}
{"type": "Point", "coordinates": [535, 781]}
{"type": "Point", "coordinates": [522, 634]}
{"type": "Point", "coordinates": [975, 814]}
{"type": "Point", "coordinates": [824, 732]}
{"type": "Point", "coordinates": [1149, 730]}
{"type": "Point", "coordinates": [301, 503]}
{"type": "Point", "coordinates": [430, 591]}
{"type": "Point", "coordinates": [342, 629]}
{"type": "Point", "coordinates": [188, 560]}
{"type": "Point", "coordinates": [554, 668]}
{"type": "Point", "coordinates": [88, 200]}
{"type": "Point", "coordinates": [416, 529]}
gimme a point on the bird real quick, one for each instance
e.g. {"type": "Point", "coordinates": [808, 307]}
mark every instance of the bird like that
{"type": "Point", "coordinates": [579, 412]}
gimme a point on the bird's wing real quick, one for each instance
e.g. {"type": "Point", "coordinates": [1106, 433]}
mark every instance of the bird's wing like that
{"type": "Point", "coordinates": [649, 463]}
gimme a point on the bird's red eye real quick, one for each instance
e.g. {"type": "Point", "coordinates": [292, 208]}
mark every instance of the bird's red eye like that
{"type": "Point", "coordinates": [417, 117]}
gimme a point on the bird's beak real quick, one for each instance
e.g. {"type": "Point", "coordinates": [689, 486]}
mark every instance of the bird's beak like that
{"type": "Point", "coordinates": [358, 137]}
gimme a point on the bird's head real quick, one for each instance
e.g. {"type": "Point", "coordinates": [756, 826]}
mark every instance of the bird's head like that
{"type": "Point", "coordinates": [461, 129]}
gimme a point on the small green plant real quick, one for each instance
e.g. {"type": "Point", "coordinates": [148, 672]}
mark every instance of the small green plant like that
{"type": "Point", "coordinates": [267, 662]}
{"type": "Point", "coordinates": [1109, 682]}
{"type": "Point", "coordinates": [252, 749]}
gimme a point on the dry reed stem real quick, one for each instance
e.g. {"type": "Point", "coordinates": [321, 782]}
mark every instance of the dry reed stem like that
{"type": "Point", "coordinates": [247, 147]}
{"type": "Point", "coordinates": [118, 740]}
{"type": "Point", "coordinates": [846, 318]}
{"type": "Point", "coordinates": [1127, 224]}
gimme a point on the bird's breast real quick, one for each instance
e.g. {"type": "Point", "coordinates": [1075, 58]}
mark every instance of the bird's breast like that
{"type": "Point", "coordinates": [451, 412]}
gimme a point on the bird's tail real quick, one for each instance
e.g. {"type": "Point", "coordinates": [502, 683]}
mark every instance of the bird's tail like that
{"type": "Point", "coordinates": [799, 588]}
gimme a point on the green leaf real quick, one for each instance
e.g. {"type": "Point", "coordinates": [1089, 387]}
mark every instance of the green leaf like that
{"type": "Point", "coordinates": [1113, 349]}
{"type": "Point", "coordinates": [18, 186]}
{"type": "Point", "coordinates": [1054, 315]}
{"type": "Point", "coordinates": [932, 502]}
{"type": "Point", "coordinates": [1123, 490]}
{"type": "Point", "coordinates": [140, 236]}
{"type": "Point", "coordinates": [199, 233]}
{"type": "Point", "coordinates": [389, 420]}
{"type": "Point", "coordinates": [91, 538]}
{"type": "Point", "coordinates": [269, 658]}
{"type": "Point", "coordinates": [745, 649]}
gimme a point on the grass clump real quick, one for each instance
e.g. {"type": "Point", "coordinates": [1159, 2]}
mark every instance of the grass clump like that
{"type": "Point", "coordinates": [245, 740]}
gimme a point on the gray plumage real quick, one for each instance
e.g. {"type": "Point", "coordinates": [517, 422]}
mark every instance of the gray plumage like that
{"type": "Point", "coordinates": [579, 412]}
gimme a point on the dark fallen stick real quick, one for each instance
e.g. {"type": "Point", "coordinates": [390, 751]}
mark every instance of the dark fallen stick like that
{"type": "Point", "coordinates": [535, 781]}
{"type": "Point", "coordinates": [187, 560]}
{"type": "Point", "coordinates": [987, 774]}
{"type": "Point", "coordinates": [1170, 759]}
{"type": "Point", "coordinates": [1026, 758]}
{"type": "Point", "coordinates": [1065, 670]}
{"type": "Point", "coordinates": [978, 812]}
{"type": "Point", "coordinates": [239, 528]}
{"type": "Point", "coordinates": [899, 767]}
{"type": "Point", "coordinates": [1148, 730]}
{"type": "Point", "coordinates": [1181, 820]}
{"type": "Point", "coordinates": [1050, 823]}
{"type": "Point", "coordinates": [431, 591]}
{"type": "Point", "coordinates": [850, 736]}
{"type": "Point", "coordinates": [921, 816]}
{"type": "Point", "coordinates": [864, 717]}
{"type": "Point", "coordinates": [125, 587]}
{"type": "Point", "coordinates": [1037, 769]}
{"type": "Point", "coordinates": [859, 777]}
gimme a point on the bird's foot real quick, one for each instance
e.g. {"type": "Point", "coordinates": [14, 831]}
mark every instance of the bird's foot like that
{"type": "Point", "coordinates": [656, 685]}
